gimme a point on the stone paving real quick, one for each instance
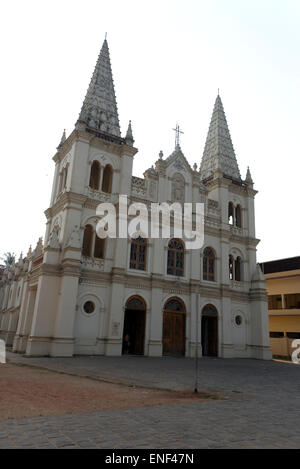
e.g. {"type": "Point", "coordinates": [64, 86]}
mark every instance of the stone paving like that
{"type": "Point", "coordinates": [261, 409]}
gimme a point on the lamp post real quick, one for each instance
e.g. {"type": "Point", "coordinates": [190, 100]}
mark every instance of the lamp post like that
{"type": "Point", "coordinates": [197, 339]}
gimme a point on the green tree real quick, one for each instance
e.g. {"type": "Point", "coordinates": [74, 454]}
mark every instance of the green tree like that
{"type": "Point", "coordinates": [8, 258]}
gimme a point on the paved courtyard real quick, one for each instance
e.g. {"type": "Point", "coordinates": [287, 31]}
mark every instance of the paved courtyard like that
{"type": "Point", "coordinates": [261, 408]}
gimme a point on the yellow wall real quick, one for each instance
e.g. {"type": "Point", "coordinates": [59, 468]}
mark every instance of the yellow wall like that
{"type": "Point", "coordinates": [284, 320]}
{"type": "Point", "coordinates": [283, 282]}
{"type": "Point", "coordinates": [284, 323]}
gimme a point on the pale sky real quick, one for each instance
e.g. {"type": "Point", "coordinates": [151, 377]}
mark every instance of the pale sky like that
{"type": "Point", "coordinates": [169, 58]}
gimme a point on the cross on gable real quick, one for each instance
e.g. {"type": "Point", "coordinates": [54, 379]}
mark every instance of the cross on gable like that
{"type": "Point", "coordinates": [177, 135]}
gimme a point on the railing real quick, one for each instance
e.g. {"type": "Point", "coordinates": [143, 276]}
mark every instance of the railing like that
{"type": "Point", "coordinates": [92, 263]}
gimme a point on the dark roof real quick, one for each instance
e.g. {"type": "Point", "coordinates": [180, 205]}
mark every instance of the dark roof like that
{"type": "Point", "coordinates": [281, 265]}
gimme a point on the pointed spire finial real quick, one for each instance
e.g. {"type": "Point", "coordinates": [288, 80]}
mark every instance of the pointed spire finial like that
{"type": "Point", "coordinates": [62, 140]}
{"type": "Point", "coordinates": [129, 137]}
{"type": "Point", "coordinates": [249, 179]}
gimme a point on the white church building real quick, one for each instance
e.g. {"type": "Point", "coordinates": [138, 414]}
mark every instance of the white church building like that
{"type": "Point", "coordinates": [76, 294]}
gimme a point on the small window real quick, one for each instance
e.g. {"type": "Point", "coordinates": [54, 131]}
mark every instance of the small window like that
{"type": "Point", "coordinates": [292, 301]}
{"type": "Point", "coordinates": [89, 307]}
{"type": "Point", "coordinates": [238, 216]}
{"type": "Point", "coordinates": [293, 335]}
{"type": "Point", "coordinates": [175, 258]}
{"type": "Point", "coordinates": [230, 213]}
{"type": "Point", "coordinates": [87, 241]}
{"type": "Point", "coordinates": [107, 179]}
{"type": "Point", "coordinates": [238, 270]}
{"type": "Point", "coordinates": [231, 263]}
{"type": "Point", "coordinates": [274, 302]}
{"type": "Point", "coordinates": [66, 176]}
{"type": "Point", "coordinates": [238, 320]}
{"type": "Point", "coordinates": [276, 335]}
{"type": "Point", "coordinates": [99, 248]}
{"type": "Point", "coordinates": [208, 265]}
{"type": "Point", "coordinates": [95, 176]}
{"type": "Point", "coordinates": [138, 254]}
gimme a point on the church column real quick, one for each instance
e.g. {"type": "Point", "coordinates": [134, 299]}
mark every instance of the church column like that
{"type": "Point", "coordinates": [116, 309]}
{"type": "Point", "coordinates": [156, 319]}
{"type": "Point", "coordinates": [22, 317]}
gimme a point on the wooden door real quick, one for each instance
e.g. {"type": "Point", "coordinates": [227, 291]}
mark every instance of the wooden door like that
{"type": "Point", "coordinates": [173, 333]}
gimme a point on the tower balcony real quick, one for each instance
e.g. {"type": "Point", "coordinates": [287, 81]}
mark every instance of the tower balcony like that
{"type": "Point", "coordinates": [99, 195]}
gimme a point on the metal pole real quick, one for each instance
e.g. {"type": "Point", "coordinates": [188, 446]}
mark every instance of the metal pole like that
{"type": "Point", "coordinates": [197, 339]}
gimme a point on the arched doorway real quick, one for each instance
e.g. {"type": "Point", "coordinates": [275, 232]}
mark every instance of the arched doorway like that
{"type": "Point", "coordinates": [209, 331]}
{"type": "Point", "coordinates": [174, 327]}
{"type": "Point", "coordinates": [134, 326]}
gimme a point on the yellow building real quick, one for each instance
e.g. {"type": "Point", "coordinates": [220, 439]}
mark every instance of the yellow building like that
{"type": "Point", "coordinates": [283, 287]}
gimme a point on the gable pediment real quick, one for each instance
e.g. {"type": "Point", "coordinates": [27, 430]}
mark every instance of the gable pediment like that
{"type": "Point", "coordinates": [178, 161]}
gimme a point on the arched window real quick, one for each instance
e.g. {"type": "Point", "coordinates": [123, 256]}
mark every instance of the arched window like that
{"type": "Point", "coordinates": [208, 264]}
{"type": "Point", "coordinates": [138, 254]}
{"type": "Point", "coordinates": [230, 213]}
{"type": "Point", "coordinates": [136, 303]}
{"type": "Point", "coordinates": [87, 241]}
{"type": "Point", "coordinates": [99, 247]}
{"type": "Point", "coordinates": [107, 179]}
{"type": "Point", "coordinates": [238, 216]}
{"type": "Point", "coordinates": [231, 264]}
{"type": "Point", "coordinates": [175, 258]}
{"type": "Point", "coordinates": [237, 269]}
{"type": "Point", "coordinates": [65, 176]}
{"type": "Point", "coordinates": [174, 305]}
{"type": "Point", "coordinates": [95, 176]}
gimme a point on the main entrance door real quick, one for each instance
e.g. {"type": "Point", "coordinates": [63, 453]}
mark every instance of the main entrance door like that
{"type": "Point", "coordinates": [134, 327]}
{"type": "Point", "coordinates": [174, 328]}
{"type": "Point", "coordinates": [209, 331]}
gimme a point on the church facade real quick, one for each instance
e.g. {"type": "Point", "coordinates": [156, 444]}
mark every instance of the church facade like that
{"type": "Point", "coordinates": [78, 294]}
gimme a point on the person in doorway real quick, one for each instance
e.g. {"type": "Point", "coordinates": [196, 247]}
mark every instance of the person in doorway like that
{"type": "Point", "coordinates": [126, 344]}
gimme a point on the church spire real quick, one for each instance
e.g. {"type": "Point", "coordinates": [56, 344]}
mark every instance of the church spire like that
{"type": "Point", "coordinates": [219, 152]}
{"type": "Point", "coordinates": [129, 137]}
{"type": "Point", "coordinates": [249, 179]}
{"type": "Point", "coordinates": [99, 110]}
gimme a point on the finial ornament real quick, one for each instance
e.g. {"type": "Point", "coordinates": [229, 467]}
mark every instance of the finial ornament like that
{"type": "Point", "coordinates": [177, 135]}
{"type": "Point", "coordinates": [129, 137]}
{"type": "Point", "coordinates": [161, 155]}
{"type": "Point", "coordinates": [249, 179]}
{"type": "Point", "coordinates": [62, 140]}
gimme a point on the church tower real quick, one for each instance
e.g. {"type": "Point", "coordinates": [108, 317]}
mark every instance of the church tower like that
{"type": "Point", "coordinates": [240, 274]}
{"type": "Point", "coordinates": [92, 165]}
